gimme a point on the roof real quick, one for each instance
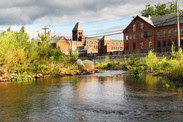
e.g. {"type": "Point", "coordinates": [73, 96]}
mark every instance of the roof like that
{"type": "Point", "coordinates": [91, 38]}
{"type": "Point", "coordinates": [147, 19]}
{"type": "Point", "coordinates": [105, 38]}
{"type": "Point", "coordinates": [56, 39]}
{"type": "Point", "coordinates": [164, 20]}
{"type": "Point", "coordinates": [77, 27]}
{"type": "Point", "coordinates": [169, 19]}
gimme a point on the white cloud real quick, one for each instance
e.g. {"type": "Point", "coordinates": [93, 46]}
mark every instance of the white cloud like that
{"type": "Point", "coordinates": [31, 11]}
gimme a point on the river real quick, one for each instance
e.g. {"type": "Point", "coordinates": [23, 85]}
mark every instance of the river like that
{"type": "Point", "coordinates": [111, 96]}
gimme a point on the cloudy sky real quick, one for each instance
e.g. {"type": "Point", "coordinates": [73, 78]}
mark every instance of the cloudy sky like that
{"type": "Point", "coordinates": [95, 16]}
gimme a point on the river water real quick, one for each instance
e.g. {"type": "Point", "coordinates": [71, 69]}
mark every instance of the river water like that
{"type": "Point", "coordinates": [112, 96]}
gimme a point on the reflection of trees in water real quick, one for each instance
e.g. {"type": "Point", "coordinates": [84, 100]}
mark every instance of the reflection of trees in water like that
{"type": "Point", "coordinates": [15, 100]}
{"type": "Point", "coordinates": [147, 82]}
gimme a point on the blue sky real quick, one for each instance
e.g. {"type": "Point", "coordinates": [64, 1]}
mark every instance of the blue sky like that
{"type": "Point", "coordinates": [95, 16]}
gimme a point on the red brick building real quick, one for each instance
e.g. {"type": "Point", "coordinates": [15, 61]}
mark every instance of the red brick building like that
{"type": "Point", "coordinates": [98, 45]}
{"type": "Point", "coordinates": [147, 33]}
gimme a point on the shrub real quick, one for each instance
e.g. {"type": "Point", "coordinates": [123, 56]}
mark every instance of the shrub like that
{"type": "Point", "coordinates": [134, 59]}
{"type": "Point", "coordinates": [137, 71]}
{"type": "Point", "coordinates": [177, 73]}
{"type": "Point", "coordinates": [151, 61]}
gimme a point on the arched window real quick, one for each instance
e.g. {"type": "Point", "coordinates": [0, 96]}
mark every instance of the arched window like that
{"type": "Point", "coordinates": [134, 27]}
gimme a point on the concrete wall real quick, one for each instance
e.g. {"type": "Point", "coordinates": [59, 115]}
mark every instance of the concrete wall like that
{"type": "Point", "coordinates": [122, 58]}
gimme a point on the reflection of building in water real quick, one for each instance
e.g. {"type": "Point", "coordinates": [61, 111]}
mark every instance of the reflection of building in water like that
{"type": "Point", "coordinates": [101, 89]}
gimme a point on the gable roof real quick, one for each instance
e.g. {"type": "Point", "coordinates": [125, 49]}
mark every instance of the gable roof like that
{"type": "Point", "coordinates": [77, 27]}
{"type": "Point", "coordinates": [56, 39]}
{"type": "Point", "coordinates": [164, 20]}
{"type": "Point", "coordinates": [147, 19]}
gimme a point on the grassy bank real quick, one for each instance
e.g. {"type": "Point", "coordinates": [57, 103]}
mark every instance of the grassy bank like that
{"type": "Point", "coordinates": [171, 66]}
{"type": "Point", "coordinates": [22, 59]}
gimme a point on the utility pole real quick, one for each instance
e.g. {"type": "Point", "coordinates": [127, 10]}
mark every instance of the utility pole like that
{"type": "Point", "coordinates": [178, 25]}
{"type": "Point", "coordinates": [45, 29]}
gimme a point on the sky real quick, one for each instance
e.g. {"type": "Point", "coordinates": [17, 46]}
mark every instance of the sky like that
{"type": "Point", "coordinates": [95, 16]}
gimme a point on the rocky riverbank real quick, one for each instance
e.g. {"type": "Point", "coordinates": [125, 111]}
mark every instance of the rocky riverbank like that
{"type": "Point", "coordinates": [83, 68]}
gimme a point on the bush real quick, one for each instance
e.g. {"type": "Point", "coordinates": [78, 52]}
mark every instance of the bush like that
{"type": "Point", "coordinates": [151, 61]}
{"type": "Point", "coordinates": [134, 59]}
{"type": "Point", "coordinates": [137, 71]}
{"type": "Point", "coordinates": [177, 73]}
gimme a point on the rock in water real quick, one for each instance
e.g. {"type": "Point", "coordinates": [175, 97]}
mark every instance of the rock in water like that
{"type": "Point", "coordinates": [80, 63]}
{"type": "Point", "coordinates": [89, 65]}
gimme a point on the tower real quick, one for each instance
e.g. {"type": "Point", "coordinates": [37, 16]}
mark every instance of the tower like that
{"type": "Point", "coordinates": [77, 33]}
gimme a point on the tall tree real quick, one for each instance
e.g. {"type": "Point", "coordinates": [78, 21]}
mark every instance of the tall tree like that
{"type": "Point", "coordinates": [159, 9]}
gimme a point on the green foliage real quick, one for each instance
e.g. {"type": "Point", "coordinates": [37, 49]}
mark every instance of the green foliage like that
{"type": "Point", "coordinates": [159, 9]}
{"type": "Point", "coordinates": [137, 71]}
{"type": "Point", "coordinates": [151, 61]}
{"type": "Point", "coordinates": [177, 73]}
{"type": "Point", "coordinates": [134, 59]}
{"type": "Point", "coordinates": [19, 77]}
{"type": "Point", "coordinates": [19, 56]}
{"type": "Point", "coordinates": [179, 54]}
{"type": "Point", "coordinates": [173, 53]}
{"type": "Point", "coordinates": [176, 55]}
{"type": "Point", "coordinates": [107, 59]}
{"type": "Point", "coordinates": [74, 54]}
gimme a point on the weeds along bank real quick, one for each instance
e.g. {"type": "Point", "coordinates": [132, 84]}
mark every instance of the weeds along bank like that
{"type": "Point", "coordinates": [171, 66]}
{"type": "Point", "coordinates": [20, 58]}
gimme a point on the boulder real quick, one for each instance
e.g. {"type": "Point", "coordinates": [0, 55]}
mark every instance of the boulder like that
{"type": "Point", "coordinates": [80, 63]}
{"type": "Point", "coordinates": [89, 65]}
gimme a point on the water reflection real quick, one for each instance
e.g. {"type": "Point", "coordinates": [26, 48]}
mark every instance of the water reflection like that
{"type": "Point", "coordinates": [91, 98]}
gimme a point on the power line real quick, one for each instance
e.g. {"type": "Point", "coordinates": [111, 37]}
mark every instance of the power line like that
{"type": "Point", "coordinates": [107, 35]}
{"type": "Point", "coordinates": [103, 33]}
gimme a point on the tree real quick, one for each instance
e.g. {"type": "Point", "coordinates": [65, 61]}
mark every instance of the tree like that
{"type": "Point", "coordinates": [160, 9]}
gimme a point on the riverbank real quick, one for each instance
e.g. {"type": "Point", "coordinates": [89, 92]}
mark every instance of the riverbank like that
{"type": "Point", "coordinates": [171, 67]}
{"type": "Point", "coordinates": [16, 77]}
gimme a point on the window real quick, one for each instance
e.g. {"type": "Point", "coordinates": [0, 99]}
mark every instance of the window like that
{"type": "Point", "coordinates": [164, 33]}
{"type": "Point", "coordinates": [134, 27]}
{"type": "Point", "coordinates": [127, 37]}
{"type": "Point", "coordinates": [175, 42]}
{"type": "Point", "coordinates": [142, 45]}
{"type": "Point", "coordinates": [148, 34]}
{"type": "Point", "coordinates": [142, 35]}
{"type": "Point", "coordinates": [175, 31]}
{"type": "Point", "coordinates": [133, 36]}
{"type": "Point", "coordinates": [142, 26]}
{"type": "Point", "coordinates": [126, 46]}
{"type": "Point", "coordinates": [150, 44]}
{"type": "Point", "coordinates": [130, 37]}
{"type": "Point", "coordinates": [80, 33]}
{"type": "Point", "coordinates": [181, 30]}
{"type": "Point", "coordinates": [164, 43]}
{"type": "Point", "coordinates": [181, 42]}
{"type": "Point", "coordinates": [159, 43]}
{"type": "Point", "coordinates": [169, 43]}
{"type": "Point", "coordinates": [159, 33]}
{"type": "Point", "coordinates": [134, 45]}
{"type": "Point", "coordinates": [169, 32]}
